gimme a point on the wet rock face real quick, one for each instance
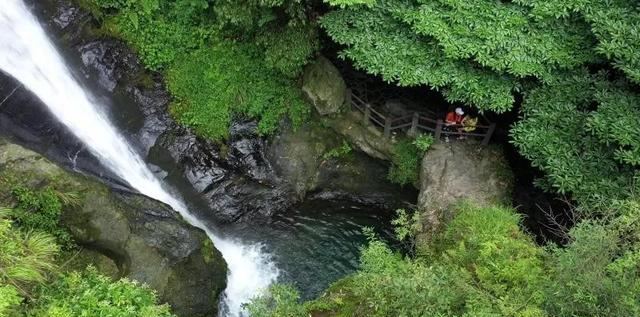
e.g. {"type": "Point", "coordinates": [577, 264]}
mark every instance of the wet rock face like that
{"type": "Point", "coordinates": [110, 60]}
{"type": "Point", "coordinates": [146, 239]}
{"type": "Point", "coordinates": [247, 151]}
{"type": "Point", "coordinates": [66, 15]}
{"type": "Point", "coordinates": [238, 184]}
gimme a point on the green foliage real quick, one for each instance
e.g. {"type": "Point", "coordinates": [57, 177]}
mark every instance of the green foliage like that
{"type": "Point", "coordinates": [338, 152]}
{"type": "Point", "coordinates": [505, 37]}
{"type": "Point", "coordinates": [26, 257]}
{"type": "Point", "coordinates": [212, 84]}
{"type": "Point", "coordinates": [222, 58]}
{"type": "Point", "coordinates": [479, 52]}
{"type": "Point", "coordinates": [594, 275]}
{"type": "Point", "coordinates": [346, 3]}
{"type": "Point", "coordinates": [40, 210]}
{"type": "Point", "coordinates": [406, 226]}
{"type": "Point", "coordinates": [424, 141]}
{"type": "Point", "coordinates": [284, 57]}
{"type": "Point", "coordinates": [90, 294]}
{"type": "Point", "coordinates": [9, 300]}
{"type": "Point", "coordinates": [583, 132]}
{"type": "Point", "coordinates": [377, 40]}
{"type": "Point", "coordinates": [161, 31]}
{"type": "Point", "coordinates": [613, 23]}
{"type": "Point", "coordinates": [483, 265]}
{"type": "Point", "coordinates": [506, 264]}
{"type": "Point", "coordinates": [279, 301]}
{"type": "Point", "coordinates": [406, 158]}
{"type": "Point", "coordinates": [405, 162]}
{"type": "Point", "coordinates": [247, 17]}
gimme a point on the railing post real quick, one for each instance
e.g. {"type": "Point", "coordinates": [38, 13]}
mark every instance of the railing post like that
{"type": "Point", "coordinates": [438, 130]}
{"type": "Point", "coordinates": [487, 137]}
{"type": "Point", "coordinates": [387, 127]}
{"type": "Point", "coordinates": [413, 131]}
{"type": "Point", "coordinates": [367, 114]}
{"type": "Point", "coordinates": [348, 99]}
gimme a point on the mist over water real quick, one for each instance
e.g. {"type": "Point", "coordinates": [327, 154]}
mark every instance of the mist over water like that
{"type": "Point", "coordinates": [27, 54]}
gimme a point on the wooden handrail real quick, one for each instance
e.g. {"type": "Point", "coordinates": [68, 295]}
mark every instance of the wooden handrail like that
{"type": "Point", "coordinates": [413, 122]}
{"type": "Point", "coordinates": [378, 113]}
{"type": "Point", "coordinates": [355, 97]}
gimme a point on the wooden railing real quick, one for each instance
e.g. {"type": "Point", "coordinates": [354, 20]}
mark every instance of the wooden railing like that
{"type": "Point", "coordinates": [414, 123]}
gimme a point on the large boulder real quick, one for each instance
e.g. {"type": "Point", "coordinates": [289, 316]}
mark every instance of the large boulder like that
{"type": "Point", "coordinates": [145, 239]}
{"type": "Point", "coordinates": [324, 86]}
{"type": "Point", "coordinates": [461, 171]}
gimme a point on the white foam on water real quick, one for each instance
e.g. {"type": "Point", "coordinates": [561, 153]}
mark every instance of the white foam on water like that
{"type": "Point", "coordinates": [27, 54]}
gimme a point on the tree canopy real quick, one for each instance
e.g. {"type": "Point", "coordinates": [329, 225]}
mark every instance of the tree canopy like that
{"type": "Point", "coordinates": [574, 64]}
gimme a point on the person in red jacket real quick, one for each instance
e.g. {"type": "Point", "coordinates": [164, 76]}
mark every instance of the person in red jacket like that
{"type": "Point", "coordinates": [454, 117]}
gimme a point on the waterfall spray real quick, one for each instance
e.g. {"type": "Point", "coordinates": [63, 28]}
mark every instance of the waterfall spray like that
{"type": "Point", "coordinates": [27, 54]}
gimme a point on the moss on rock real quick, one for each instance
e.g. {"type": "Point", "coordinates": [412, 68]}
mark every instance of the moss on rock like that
{"type": "Point", "coordinates": [144, 238]}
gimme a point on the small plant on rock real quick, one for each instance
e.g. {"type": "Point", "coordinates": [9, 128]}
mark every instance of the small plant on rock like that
{"type": "Point", "coordinates": [339, 151]}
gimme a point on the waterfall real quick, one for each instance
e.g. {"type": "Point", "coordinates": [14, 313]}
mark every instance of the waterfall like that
{"type": "Point", "coordinates": [27, 54]}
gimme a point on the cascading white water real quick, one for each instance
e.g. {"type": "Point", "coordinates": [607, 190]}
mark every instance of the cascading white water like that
{"type": "Point", "coordinates": [27, 54]}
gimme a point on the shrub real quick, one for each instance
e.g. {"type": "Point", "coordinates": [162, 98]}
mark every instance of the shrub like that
{"type": "Point", "coordinates": [26, 258]}
{"type": "Point", "coordinates": [594, 276]}
{"type": "Point", "coordinates": [288, 50]}
{"type": "Point", "coordinates": [405, 163]}
{"type": "Point", "coordinates": [339, 151]}
{"type": "Point", "coordinates": [424, 141]}
{"type": "Point", "coordinates": [9, 300]}
{"type": "Point", "coordinates": [40, 210]}
{"type": "Point", "coordinates": [278, 301]}
{"type": "Point", "coordinates": [213, 84]}
{"type": "Point", "coordinates": [88, 293]}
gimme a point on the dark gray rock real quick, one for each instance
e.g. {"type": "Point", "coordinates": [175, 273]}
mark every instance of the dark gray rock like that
{"type": "Point", "coordinates": [110, 60]}
{"type": "Point", "coordinates": [67, 14]}
{"type": "Point", "coordinates": [235, 179]}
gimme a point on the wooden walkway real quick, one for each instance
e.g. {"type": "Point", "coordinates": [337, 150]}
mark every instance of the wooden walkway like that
{"type": "Point", "coordinates": [414, 123]}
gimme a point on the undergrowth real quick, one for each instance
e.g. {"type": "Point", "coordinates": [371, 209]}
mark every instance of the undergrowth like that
{"type": "Point", "coordinates": [406, 157]}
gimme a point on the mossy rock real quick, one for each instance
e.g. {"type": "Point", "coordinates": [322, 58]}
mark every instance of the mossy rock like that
{"type": "Point", "coordinates": [78, 260]}
{"type": "Point", "coordinates": [145, 239]}
{"type": "Point", "coordinates": [456, 171]}
{"type": "Point", "coordinates": [324, 86]}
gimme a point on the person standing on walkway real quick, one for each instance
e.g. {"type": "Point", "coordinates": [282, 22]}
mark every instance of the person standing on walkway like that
{"type": "Point", "coordinates": [454, 117]}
